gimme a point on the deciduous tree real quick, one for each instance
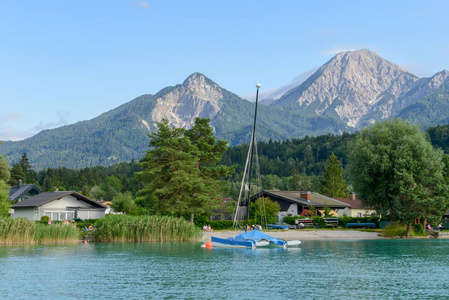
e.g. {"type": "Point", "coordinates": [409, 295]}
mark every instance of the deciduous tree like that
{"type": "Point", "coordinates": [5, 203]}
{"type": "Point", "coordinates": [264, 210]}
{"type": "Point", "coordinates": [395, 170]}
{"type": "Point", "coordinates": [124, 202]}
{"type": "Point", "coordinates": [4, 169]}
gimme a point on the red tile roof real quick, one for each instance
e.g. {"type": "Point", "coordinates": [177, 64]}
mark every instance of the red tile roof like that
{"type": "Point", "coordinates": [353, 203]}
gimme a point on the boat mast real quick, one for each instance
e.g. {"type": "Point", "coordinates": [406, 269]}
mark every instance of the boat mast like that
{"type": "Point", "coordinates": [250, 173]}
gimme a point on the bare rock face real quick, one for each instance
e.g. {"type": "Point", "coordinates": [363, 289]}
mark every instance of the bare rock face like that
{"type": "Point", "coordinates": [196, 97]}
{"type": "Point", "coordinates": [367, 86]}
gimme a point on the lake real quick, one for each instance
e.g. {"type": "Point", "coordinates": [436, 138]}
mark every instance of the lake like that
{"type": "Point", "coordinates": [324, 269]}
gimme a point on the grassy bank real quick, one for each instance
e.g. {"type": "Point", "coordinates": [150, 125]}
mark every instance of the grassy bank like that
{"type": "Point", "coordinates": [124, 228]}
{"type": "Point", "coordinates": [398, 229]}
{"type": "Point", "coordinates": [23, 231]}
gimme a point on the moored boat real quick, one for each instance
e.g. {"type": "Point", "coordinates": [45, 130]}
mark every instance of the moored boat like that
{"type": "Point", "coordinates": [253, 238]}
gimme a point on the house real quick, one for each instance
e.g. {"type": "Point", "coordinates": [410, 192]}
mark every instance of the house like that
{"type": "Point", "coordinates": [293, 203]}
{"type": "Point", "coordinates": [22, 191]}
{"type": "Point", "coordinates": [355, 208]}
{"type": "Point", "coordinates": [60, 206]}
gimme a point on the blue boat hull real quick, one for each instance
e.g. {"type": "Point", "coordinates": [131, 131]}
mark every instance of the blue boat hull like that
{"type": "Point", "coordinates": [249, 239]}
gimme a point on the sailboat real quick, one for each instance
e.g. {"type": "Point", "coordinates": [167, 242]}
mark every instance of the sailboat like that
{"type": "Point", "coordinates": [253, 238]}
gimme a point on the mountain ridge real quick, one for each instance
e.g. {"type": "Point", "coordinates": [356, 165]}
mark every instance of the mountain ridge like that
{"type": "Point", "coordinates": [351, 90]}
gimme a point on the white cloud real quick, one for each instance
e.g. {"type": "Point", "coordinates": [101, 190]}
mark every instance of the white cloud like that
{"type": "Point", "coordinates": [276, 93]}
{"type": "Point", "coordinates": [142, 4]}
{"type": "Point", "coordinates": [10, 134]}
{"type": "Point", "coordinates": [62, 120]}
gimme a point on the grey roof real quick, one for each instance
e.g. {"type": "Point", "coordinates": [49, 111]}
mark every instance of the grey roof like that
{"type": "Point", "coordinates": [47, 197]}
{"type": "Point", "coordinates": [16, 192]}
{"type": "Point", "coordinates": [316, 200]}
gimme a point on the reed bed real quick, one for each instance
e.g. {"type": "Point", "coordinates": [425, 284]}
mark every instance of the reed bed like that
{"type": "Point", "coordinates": [23, 231]}
{"type": "Point", "coordinates": [124, 228]}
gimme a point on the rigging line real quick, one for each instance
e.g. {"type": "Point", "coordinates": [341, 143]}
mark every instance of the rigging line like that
{"type": "Point", "coordinates": [236, 224]}
{"type": "Point", "coordinates": [262, 210]}
{"type": "Point", "coordinates": [253, 138]}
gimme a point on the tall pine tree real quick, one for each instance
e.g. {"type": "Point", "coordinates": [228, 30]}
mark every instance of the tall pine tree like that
{"type": "Point", "coordinates": [180, 171]}
{"type": "Point", "coordinates": [333, 183]}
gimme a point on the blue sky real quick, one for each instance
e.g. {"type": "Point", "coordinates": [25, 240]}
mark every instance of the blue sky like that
{"type": "Point", "coordinates": [66, 61]}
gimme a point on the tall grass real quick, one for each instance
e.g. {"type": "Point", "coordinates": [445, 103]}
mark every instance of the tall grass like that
{"type": "Point", "coordinates": [124, 228]}
{"type": "Point", "coordinates": [24, 231]}
{"type": "Point", "coordinates": [399, 229]}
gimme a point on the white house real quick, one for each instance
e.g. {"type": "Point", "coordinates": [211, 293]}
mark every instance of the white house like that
{"type": "Point", "coordinates": [355, 208]}
{"type": "Point", "coordinates": [60, 206]}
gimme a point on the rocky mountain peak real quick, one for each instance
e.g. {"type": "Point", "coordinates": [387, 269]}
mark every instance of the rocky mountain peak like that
{"type": "Point", "coordinates": [198, 96]}
{"type": "Point", "coordinates": [360, 81]}
{"type": "Point", "coordinates": [201, 86]}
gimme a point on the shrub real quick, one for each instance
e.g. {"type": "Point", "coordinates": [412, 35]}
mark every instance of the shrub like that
{"type": "Point", "coordinates": [290, 219]}
{"type": "Point", "coordinates": [45, 219]}
{"type": "Point", "coordinates": [419, 229]}
{"type": "Point", "coordinates": [319, 221]}
{"type": "Point", "coordinates": [199, 221]}
{"type": "Point", "coordinates": [307, 213]}
{"type": "Point", "coordinates": [399, 229]}
{"type": "Point", "coordinates": [220, 225]}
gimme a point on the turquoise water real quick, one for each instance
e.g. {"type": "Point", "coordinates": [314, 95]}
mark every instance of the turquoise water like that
{"type": "Point", "coordinates": [362, 269]}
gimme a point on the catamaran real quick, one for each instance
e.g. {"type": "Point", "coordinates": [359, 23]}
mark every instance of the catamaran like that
{"type": "Point", "coordinates": [253, 238]}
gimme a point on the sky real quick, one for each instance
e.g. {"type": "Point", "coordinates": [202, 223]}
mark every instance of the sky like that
{"type": "Point", "coordinates": [62, 62]}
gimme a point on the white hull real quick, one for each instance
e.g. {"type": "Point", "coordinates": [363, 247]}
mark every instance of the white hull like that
{"type": "Point", "coordinates": [293, 243]}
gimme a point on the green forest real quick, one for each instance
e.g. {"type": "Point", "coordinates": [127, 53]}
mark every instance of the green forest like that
{"type": "Point", "coordinates": [291, 164]}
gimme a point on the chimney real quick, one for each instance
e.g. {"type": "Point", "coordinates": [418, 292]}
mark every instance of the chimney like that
{"type": "Point", "coordinates": [305, 195]}
{"type": "Point", "coordinates": [352, 196]}
{"type": "Point", "coordinates": [20, 183]}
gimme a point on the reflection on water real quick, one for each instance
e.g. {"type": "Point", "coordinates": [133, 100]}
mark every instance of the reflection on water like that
{"type": "Point", "coordinates": [369, 269]}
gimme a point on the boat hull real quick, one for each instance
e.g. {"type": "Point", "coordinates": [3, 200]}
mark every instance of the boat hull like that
{"type": "Point", "coordinates": [219, 242]}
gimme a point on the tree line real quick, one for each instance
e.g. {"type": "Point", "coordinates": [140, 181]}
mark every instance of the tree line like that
{"type": "Point", "coordinates": [204, 170]}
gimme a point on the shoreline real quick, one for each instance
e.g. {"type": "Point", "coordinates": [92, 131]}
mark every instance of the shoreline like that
{"type": "Point", "coordinates": [301, 235]}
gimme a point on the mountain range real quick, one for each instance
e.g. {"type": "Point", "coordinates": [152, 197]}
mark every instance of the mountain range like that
{"type": "Point", "coordinates": [352, 90]}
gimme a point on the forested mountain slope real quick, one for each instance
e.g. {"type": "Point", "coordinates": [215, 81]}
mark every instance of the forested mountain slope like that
{"type": "Point", "coordinates": [352, 90]}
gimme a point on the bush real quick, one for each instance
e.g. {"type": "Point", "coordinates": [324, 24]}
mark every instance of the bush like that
{"type": "Point", "coordinates": [399, 229]}
{"type": "Point", "coordinates": [220, 225]}
{"type": "Point", "coordinates": [319, 221]}
{"type": "Point", "coordinates": [419, 229]}
{"type": "Point", "coordinates": [291, 219]}
{"type": "Point", "coordinates": [199, 221]}
{"type": "Point", "coordinates": [308, 213]}
{"type": "Point", "coordinates": [45, 219]}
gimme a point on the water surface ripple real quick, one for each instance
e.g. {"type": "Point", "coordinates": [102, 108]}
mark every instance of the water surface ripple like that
{"type": "Point", "coordinates": [358, 269]}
